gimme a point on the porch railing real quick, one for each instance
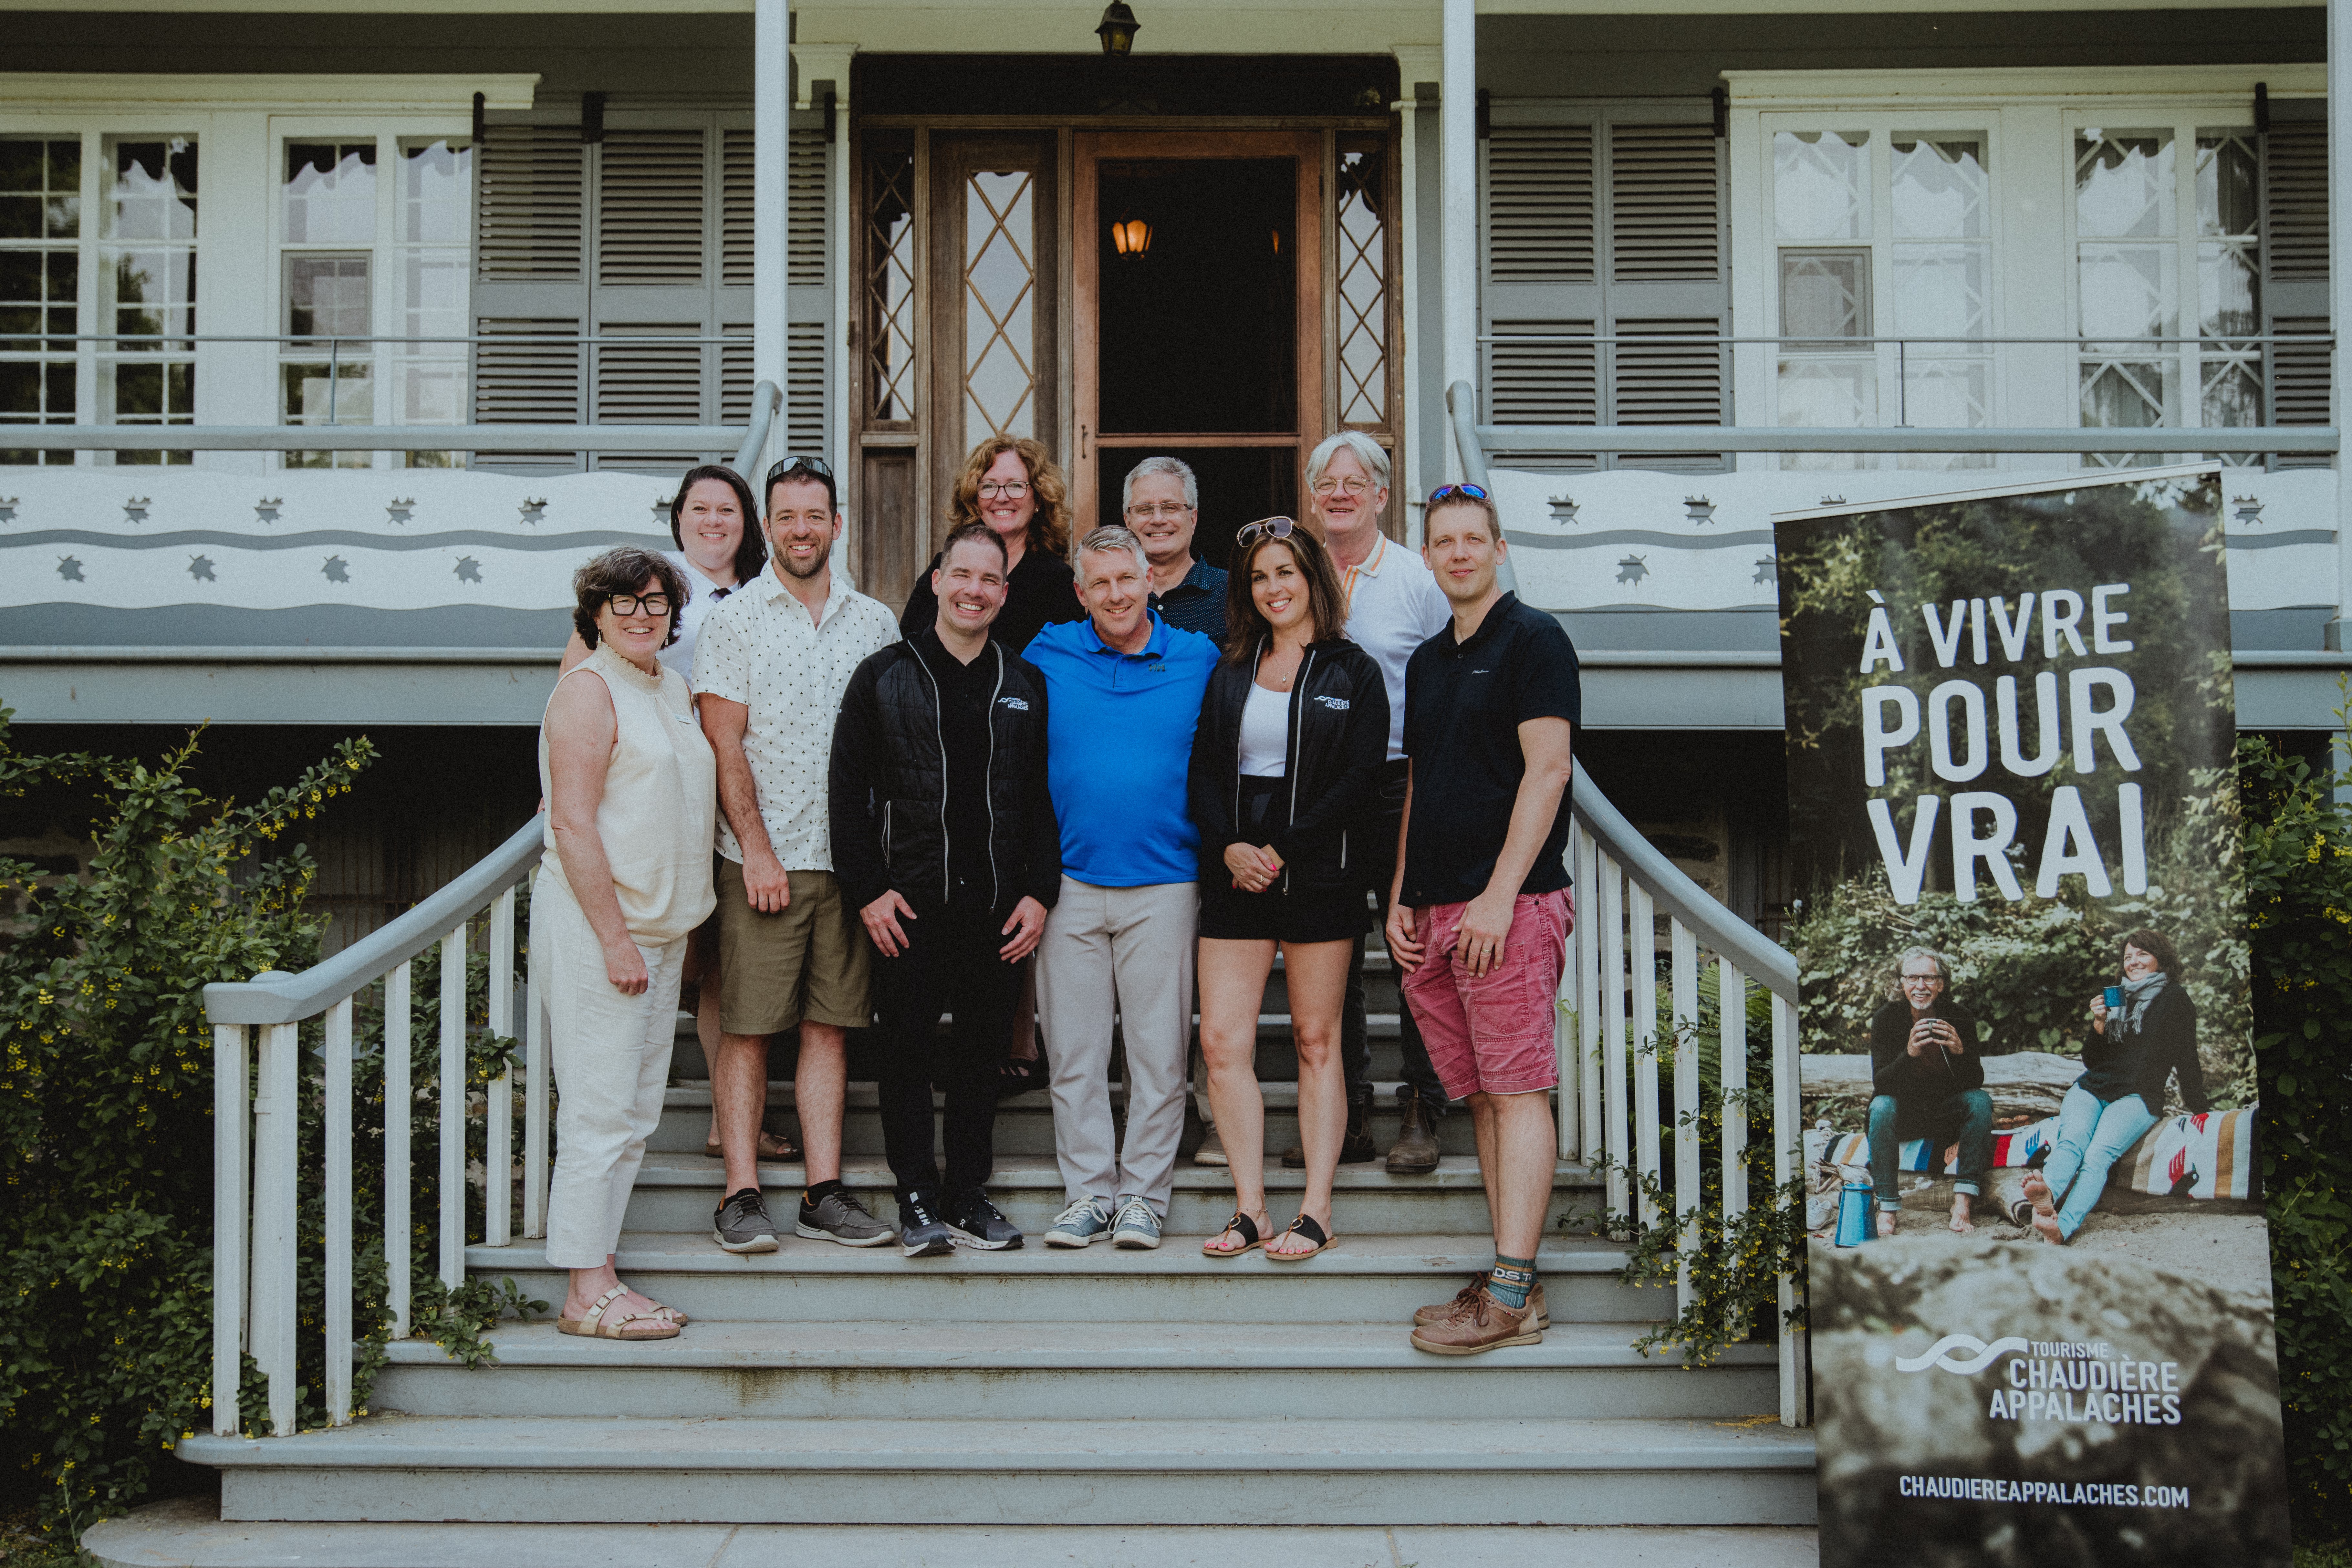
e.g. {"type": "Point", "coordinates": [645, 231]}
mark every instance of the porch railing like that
{"type": "Point", "coordinates": [255, 1135]}
{"type": "Point", "coordinates": [1610, 1031]}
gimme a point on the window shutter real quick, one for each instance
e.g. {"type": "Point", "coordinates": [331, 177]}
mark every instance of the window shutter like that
{"type": "Point", "coordinates": [532, 214]}
{"type": "Point", "coordinates": [735, 175]}
{"type": "Point", "coordinates": [528, 383]}
{"type": "Point", "coordinates": [1540, 213]}
{"type": "Point", "coordinates": [647, 384]}
{"type": "Point", "coordinates": [807, 200]}
{"type": "Point", "coordinates": [804, 400]}
{"type": "Point", "coordinates": [650, 204]}
{"type": "Point", "coordinates": [1664, 201]}
{"type": "Point", "coordinates": [807, 411]}
{"type": "Point", "coordinates": [1670, 384]}
{"type": "Point", "coordinates": [735, 375]}
{"type": "Point", "coordinates": [2294, 274]}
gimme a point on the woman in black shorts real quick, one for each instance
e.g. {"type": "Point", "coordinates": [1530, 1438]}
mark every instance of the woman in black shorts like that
{"type": "Point", "coordinates": [1286, 765]}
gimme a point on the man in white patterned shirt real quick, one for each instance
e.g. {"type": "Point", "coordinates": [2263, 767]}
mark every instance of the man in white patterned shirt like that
{"type": "Point", "coordinates": [770, 667]}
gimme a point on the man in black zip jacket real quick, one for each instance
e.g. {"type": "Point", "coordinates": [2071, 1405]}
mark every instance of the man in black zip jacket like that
{"type": "Point", "coordinates": [945, 842]}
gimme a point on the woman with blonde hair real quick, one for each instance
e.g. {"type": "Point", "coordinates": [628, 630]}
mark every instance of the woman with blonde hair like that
{"type": "Point", "coordinates": [1013, 488]}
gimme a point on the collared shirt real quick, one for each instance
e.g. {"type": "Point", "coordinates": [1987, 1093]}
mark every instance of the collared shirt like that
{"type": "Point", "coordinates": [1394, 606]}
{"type": "Point", "coordinates": [1197, 603]}
{"type": "Point", "coordinates": [759, 648]}
{"type": "Point", "coordinates": [1464, 707]}
{"type": "Point", "coordinates": [702, 595]}
{"type": "Point", "coordinates": [1118, 736]}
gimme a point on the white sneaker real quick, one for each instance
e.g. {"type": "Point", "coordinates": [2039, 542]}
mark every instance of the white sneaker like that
{"type": "Point", "coordinates": [1211, 1150]}
{"type": "Point", "coordinates": [1078, 1225]}
{"type": "Point", "coordinates": [1136, 1226]}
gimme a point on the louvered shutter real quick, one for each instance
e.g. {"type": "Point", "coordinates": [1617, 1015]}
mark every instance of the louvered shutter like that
{"type": "Point", "coordinates": [530, 285]}
{"type": "Point", "coordinates": [1604, 220]}
{"type": "Point", "coordinates": [650, 206]}
{"type": "Point", "coordinates": [807, 414]}
{"type": "Point", "coordinates": [2294, 268]}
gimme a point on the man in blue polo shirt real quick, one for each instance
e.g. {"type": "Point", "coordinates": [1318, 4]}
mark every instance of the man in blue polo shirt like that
{"type": "Point", "coordinates": [1123, 694]}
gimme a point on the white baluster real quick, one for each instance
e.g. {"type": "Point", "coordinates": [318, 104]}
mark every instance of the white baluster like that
{"type": "Point", "coordinates": [230, 1230]}
{"type": "Point", "coordinates": [276, 1118]}
{"type": "Point", "coordinates": [1731, 987]}
{"type": "Point", "coordinates": [337, 1130]}
{"type": "Point", "coordinates": [399, 1107]}
{"type": "Point", "coordinates": [453, 1108]}
{"type": "Point", "coordinates": [535, 1078]}
{"type": "Point", "coordinates": [1565, 1065]}
{"type": "Point", "coordinates": [1641, 938]}
{"type": "Point", "coordinates": [1588, 970]}
{"type": "Point", "coordinates": [1785, 1135]}
{"type": "Point", "coordinates": [1685, 962]}
{"type": "Point", "coordinates": [498, 1194]}
{"type": "Point", "coordinates": [1613, 1033]}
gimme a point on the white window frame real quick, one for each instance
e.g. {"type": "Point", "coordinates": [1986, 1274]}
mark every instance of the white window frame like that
{"type": "Point", "coordinates": [231, 119]}
{"type": "Point", "coordinates": [2029, 117]}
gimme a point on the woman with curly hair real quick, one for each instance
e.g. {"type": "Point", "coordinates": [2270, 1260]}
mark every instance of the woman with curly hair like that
{"type": "Point", "coordinates": [1010, 485]}
{"type": "Point", "coordinates": [2134, 1053]}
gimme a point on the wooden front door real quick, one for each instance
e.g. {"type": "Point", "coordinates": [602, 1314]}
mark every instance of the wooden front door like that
{"type": "Point", "coordinates": [1198, 321]}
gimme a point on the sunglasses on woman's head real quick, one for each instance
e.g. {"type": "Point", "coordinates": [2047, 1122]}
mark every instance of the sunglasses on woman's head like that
{"type": "Point", "coordinates": [1447, 492]}
{"type": "Point", "coordinates": [1264, 528]}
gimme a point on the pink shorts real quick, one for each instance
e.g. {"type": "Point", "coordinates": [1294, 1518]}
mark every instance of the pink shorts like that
{"type": "Point", "coordinates": [1492, 1033]}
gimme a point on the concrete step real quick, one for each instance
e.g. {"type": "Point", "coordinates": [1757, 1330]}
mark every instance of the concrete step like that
{"type": "Point", "coordinates": [188, 1532]}
{"type": "Point", "coordinates": [903, 1369]}
{"type": "Point", "coordinates": [1262, 1470]}
{"type": "Point", "coordinates": [678, 1192]}
{"type": "Point", "coordinates": [1378, 1280]}
{"type": "Point", "coordinates": [1024, 1122]}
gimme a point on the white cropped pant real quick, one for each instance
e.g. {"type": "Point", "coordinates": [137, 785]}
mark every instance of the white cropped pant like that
{"type": "Point", "coordinates": [610, 1056]}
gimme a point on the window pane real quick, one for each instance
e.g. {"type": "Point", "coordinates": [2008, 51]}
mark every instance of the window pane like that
{"type": "Point", "coordinates": [890, 278]}
{"type": "Point", "coordinates": [331, 391]}
{"type": "Point", "coordinates": [436, 192]}
{"type": "Point", "coordinates": [155, 290]}
{"type": "Point", "coordinates": [1939, 291]}
{"type": "Point", "coordinates": [1820, 188]}
{"type": "Point", "coordinates": [327, 296]}
{"type": "Point", "coordinates": [1824, 294]}
{"type": "Point", "coordinates": [1000, 286]}
{"type": "Point", "coordinates": [434, 306]}
{"type": "Point", "coordinates": [2127, 291]}
{"type": "Point", "coordinates": [2123, 184]}
{"type": "Point", "coordinates": [40, 187]}
{"type": "Point", "coordinates": [1363, 288]}
{"type": "Point", "coordinates": [1940, 187]}
{"type": "Point", "coordinates": [330, 192]}
{"type": "Point", "coordinates": [2228, 196]}
{"type": "Point", "coordinates": [2228, 291]}
{"type": "Point", "coordinates": [154, 189]}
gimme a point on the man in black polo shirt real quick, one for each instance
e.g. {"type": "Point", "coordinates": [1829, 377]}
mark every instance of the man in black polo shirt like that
{"type": "Point", "coordinates": [1480, 912]}
{"type": "Point", "coordinates": [1160, 501]}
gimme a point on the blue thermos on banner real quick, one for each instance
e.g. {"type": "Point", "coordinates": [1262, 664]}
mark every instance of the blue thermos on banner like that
{"type": "Point", "coordinates": [1854, 1200]}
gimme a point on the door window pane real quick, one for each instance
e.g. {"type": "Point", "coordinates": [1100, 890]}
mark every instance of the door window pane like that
{"type": "Point", "coordinates": [1000, 286]}
{"type": "Point", "coordinates": [436, 192]}
{"type": "Point", "coordinates": [890, 279]}
{"type": "Point", "coordinates": [1363, 286]}
{"type": "Point", "coordinates": [1939, 187]}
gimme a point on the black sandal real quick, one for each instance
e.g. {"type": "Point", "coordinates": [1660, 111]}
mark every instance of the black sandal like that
{"type": "Point", "coordinates": [1017, 1075]}
{"type": "Point", "coordinates": [1250, 1237]}
{"type": "Point", "coordinates": [1303, 1225]}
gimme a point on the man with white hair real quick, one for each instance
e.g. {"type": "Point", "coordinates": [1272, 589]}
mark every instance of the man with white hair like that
{"type": "Point", "coordinates": [1160, 501]}
{"type": "Point", "coordinates": [1123, 692]}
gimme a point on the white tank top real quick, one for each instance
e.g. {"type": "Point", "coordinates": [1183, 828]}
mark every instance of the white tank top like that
{"type": "Point", "coordinates": [658, 818]}
{"type": "Point", "coordinates": [1266, 725]}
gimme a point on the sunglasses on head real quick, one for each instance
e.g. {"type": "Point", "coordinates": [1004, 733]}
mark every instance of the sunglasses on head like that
{"type": "Point", "coordinates": [1264, 528]}
{"type": "Point", "coordinates": [1447, 492]}
{"type": "Point", "coordinates": [801, 468]}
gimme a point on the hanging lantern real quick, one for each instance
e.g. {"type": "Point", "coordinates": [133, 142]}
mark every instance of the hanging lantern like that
{"type": "Point", "coordinates": [1130, 237]}
{"type": "Point", "coordinates": [1118, 29]}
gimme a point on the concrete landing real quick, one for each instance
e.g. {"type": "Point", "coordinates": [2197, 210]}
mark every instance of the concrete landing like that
{"type": "Point", "coordinates": [186, 1534]}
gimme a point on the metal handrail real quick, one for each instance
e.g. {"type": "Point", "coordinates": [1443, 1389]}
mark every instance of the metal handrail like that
{"type": "Point", "coordinates": [1831, 343]}
{"type": "Point", "coordinates": [766, 398]}
{"type": "Point", "coordinates": [289, 998]}
{"type": "Point", "coordinates": [374, 437]}
{"type": "Point", "coordinates": [2061, 438]}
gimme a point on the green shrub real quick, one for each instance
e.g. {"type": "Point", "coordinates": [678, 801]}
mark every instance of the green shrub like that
{"type": "Point", "coordinates": [106, 1132]}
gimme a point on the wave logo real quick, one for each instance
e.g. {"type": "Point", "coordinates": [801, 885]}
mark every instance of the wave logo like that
{"type": "Point", "coordinates": [1976, 1355]}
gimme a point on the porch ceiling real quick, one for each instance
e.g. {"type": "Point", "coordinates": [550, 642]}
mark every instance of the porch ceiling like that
{"type": "Point", "coordinates": [1197, 27]}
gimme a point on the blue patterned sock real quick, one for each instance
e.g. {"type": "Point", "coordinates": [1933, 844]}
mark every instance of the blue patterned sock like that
{"type": "Point", "coordinates": [1511, 1279]}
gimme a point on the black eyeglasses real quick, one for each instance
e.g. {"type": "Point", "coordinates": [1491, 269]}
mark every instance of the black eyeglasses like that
{"type": "Point", "coordinates": [1447, 492]}
{"type": "Point", "coordinates": [639, 603]}
{"type": "Point", "coordinates": [1264, 528]}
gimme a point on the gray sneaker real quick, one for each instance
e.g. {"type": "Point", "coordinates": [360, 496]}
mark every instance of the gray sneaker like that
{"type": "Point", "coordinates": [839, 1218]}
{"type": "Point", "coordinates": [1137, 1226]}
{"type": "Point", "coordinates": [1079, 1224]}
{"type": "Point", "coordinates": [741, 1224]}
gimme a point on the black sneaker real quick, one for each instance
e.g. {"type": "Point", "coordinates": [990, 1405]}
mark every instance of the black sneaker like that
{"type": "Point", "coordinates": [978, 1223]}
{"type": "Point", "coordinates": [741, 1224]}
{"type": "Point", "coordinates": [921, 1232]}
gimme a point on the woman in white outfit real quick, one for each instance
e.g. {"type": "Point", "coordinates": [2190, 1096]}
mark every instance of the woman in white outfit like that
{"type": "Point", "coordinates": [632, 792]}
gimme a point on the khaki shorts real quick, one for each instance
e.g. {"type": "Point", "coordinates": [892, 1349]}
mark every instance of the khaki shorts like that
{"type": "Point", "coordinates": [809, 959]}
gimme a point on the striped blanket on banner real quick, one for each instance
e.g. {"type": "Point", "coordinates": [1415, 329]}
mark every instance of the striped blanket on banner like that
{"type": "Point", "coordinates": [2207, 1156]}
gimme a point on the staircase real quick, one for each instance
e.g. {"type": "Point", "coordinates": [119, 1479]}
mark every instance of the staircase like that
{"type": "Point", "coordinates": [1078, 1387]}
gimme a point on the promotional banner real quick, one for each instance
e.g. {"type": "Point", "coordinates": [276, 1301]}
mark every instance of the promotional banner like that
{"type": "Point", "coordinates": [2038, 1270]}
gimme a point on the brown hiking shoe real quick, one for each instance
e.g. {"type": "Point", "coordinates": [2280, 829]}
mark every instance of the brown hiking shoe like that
{"type": "Point", "coordinates": [1415, 1154]}
{"type": "Point", "coordinates": [1444, 1310]}
{"type": "Point", "coordinates": [1481, 1323]}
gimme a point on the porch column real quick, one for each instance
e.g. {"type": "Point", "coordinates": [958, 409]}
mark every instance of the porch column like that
{"type": "Point", "coordinates": [2339, 291]}
{"type": "Point", "coordinates": [1418, 67]}
{"type": "Point", "coordinates": [771, 114]}
{"type": "Point", "coordinates": [1458, 198]}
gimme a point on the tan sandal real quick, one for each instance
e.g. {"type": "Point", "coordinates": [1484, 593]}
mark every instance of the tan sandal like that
{"type": "Point", "coordinates": [1303, 1225]}
{"type": "Point", "coordinates": [1241, 1222]}
{"type": "Point", "coordinates": [598, 1324]}
{"type": "Point", "coordinates": [773, 1146]}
